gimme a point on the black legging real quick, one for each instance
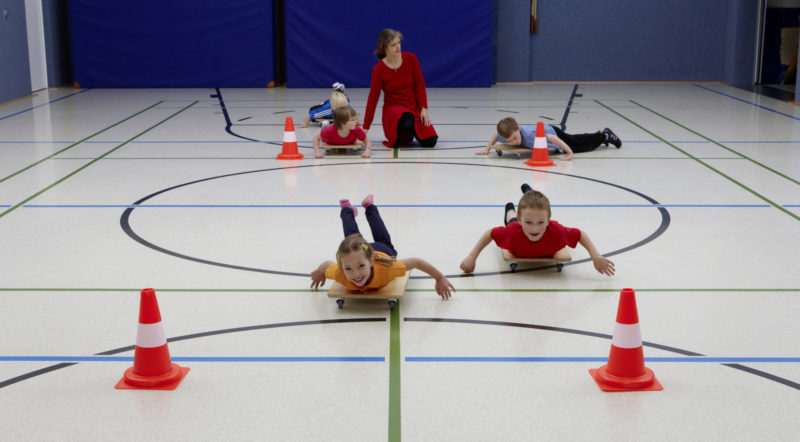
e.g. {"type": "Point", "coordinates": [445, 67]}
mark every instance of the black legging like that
{"type": "Point", "coordinates": [581, 142]}
{"type": "Point", "coordinates": [405, 132]}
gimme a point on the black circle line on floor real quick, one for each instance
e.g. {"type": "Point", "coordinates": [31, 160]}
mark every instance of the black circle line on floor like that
{"type": "Point", "coordinates": [55, 367]}
{"type": "Point", "coordinates": [126, 226]}
{"type": "Point", "coordinates": [740, 367]}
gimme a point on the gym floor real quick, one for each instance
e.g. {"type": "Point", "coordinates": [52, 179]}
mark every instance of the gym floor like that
{"type": "Point", "coordinates": [105, 192]}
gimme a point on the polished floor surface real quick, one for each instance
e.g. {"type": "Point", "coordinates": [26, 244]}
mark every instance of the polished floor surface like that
{"type": "Point", "coordinates": [105, 192]}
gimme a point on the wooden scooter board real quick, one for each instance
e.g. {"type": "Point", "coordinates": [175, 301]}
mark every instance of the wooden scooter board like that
{"type": "Point", "coordinates": [559, 258]}
{"type": "Point", "coordinates": [392, 291]}
{"type": "Point", "coordinates": [516, 150]}
{"type": "Point", "coordinates": [356, 147]}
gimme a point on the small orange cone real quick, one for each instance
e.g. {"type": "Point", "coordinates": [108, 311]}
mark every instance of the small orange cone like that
{"type": "Point", "coordinates": [289, 151]}
{"type": "Point", "coordinates": [152, 367]}
{"type": "Point", "coordinates": [625, 370]}
{"type": "Point", "coordinates": [539, 156]}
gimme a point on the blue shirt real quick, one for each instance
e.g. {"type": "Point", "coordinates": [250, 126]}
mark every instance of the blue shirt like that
{"type": "Point", "coordinates": [528, 134]}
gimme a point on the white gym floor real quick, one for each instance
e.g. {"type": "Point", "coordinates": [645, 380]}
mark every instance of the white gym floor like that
{"type": "Point", "coordinates": [105, 192]}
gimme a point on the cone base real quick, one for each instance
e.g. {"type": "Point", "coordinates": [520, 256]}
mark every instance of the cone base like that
{"type": "Point", "coordinates": [532, 163]}
{"type": "Point", "coordinates": [167, 381]}
{"type": "Point", "coordinates": [290, 156]}
{"type": "Point", "coordinates": [608, 382]}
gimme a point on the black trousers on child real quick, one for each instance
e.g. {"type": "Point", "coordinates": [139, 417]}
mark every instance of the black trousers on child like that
{"type": "Point", "coordinates": [581, 142]}
{"type": "Point", "coordinates": [383, 242]}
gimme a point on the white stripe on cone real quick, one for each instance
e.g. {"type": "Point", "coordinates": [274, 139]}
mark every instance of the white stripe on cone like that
{"type": "Point", "coordinates": [627, 336]}
{"type": "Point", "coordinates": [150, 335]}
{"type": "Point", "coordinates": [289, 137]}
{"type": "Point", "coordinates": [540, 143]}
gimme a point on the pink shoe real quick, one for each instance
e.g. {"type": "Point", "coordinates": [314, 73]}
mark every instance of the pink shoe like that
{"type": "Point", "coordinates": [368, 201]}
{"type": "Point", "coordinates": [346, 203]}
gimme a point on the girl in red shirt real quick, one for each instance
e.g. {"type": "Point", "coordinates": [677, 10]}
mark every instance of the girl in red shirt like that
{"type": "Point", "coordinates": [405, 102]}
{"type": "Point", "coordinates": [535, 235]}
{"type": "Point", "coordinates": [344, 131]}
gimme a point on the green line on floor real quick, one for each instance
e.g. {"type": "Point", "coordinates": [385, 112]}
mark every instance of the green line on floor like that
{"type": "Point", "coordinates": [710, 167]}
{"type": "Point", "coordinates": [394, 375]}
{"type": "Point", "coordinates": [717, 143]}
{"type": "Point", "coordinates": [499, 290]}
{"type": "Point", "coordinates": [78, 142]}
{"type": "Point", "coordinates": [395, 153]}
{"type": "Point", "coordinates": [23, 202]}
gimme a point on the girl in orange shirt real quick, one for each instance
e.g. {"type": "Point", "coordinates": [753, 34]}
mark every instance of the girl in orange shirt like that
{"type": "Point", "coordinates": [363, 266]}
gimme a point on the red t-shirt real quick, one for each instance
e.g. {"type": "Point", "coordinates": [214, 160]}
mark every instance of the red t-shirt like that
{"type": "Point", "coordinates": [330, 135]}
{"type": "Point", "coordinates": [555, 237]}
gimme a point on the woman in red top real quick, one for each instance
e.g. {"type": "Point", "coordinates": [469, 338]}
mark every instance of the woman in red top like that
{"type": "Point", "coordinates": [405, 103]}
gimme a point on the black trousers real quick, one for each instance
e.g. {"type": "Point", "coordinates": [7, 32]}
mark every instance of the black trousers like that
{"type": "Point", "coordinates": [581, 142]}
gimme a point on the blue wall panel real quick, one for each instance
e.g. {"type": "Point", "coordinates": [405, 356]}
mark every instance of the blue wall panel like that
{"type": "Point", "coordinates": [620, 40]}
{"type": "Point", "coordinates": [176, 43]}
{"type": "Point", "coordinates": [15, 75]}
{"type": "Point", "coordinates": [453, 40]}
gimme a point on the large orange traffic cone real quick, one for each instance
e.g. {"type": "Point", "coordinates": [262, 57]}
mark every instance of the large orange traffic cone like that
{"type": "Point", "coordinates": [539, 156]}
{"type": "Point", "coordinates": [152, 367]}
{"type": "Point", "coordinates": [625, 370]}
{"type": "Point", "coordinates": [289, 151]}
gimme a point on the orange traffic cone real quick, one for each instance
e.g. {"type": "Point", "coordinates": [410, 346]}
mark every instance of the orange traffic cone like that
{"type": "Point", "coordinates": [289, 151]}
{"type": "Point", "coordinates": [625, 370]}
{"type": "Point", "coordinates": [152, 368]}
{"type": "Point", "coordinates": [539, 156]}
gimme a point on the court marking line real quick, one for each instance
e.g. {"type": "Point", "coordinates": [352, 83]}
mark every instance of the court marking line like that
{"type": "Point", "coordinates": [197, 358]}
{"type": "Point", "coordinates": [747, 102]}
{"type": "Point", "coordinates": [703, 163]}
{"type": "Point", "coordinates": [655, 359]}
{"type": "Point", "coordinates": [743, 156]}
{"type": "Point", "coordinates": [45, 104]}
{"type": "Point", "coordinates": [489, 290]}
{"type": "Point", "coordinates": [79, 142]}
{"type": "Point", "coordinates": [427, 206]}
{"type": "Point", "coordinates": [59, 366]}
{"type": "Point", "coordinates": [684, 352]}
{"type": "Point", "coordinates": [395, 404]}
{"type": "Point", "coordinates": [73, 173]}
{"type": "Point", "coordinates": [126, 225]}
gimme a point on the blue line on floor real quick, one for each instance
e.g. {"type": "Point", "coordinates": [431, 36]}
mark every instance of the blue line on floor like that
{"type": "Point", "coordinates": [316, 206]}
{"type": "Point", "coordinates": [591, 359]}
{"type": "Point", "coordinates": [440, 141]}
{"type": "Point", "coordinates": [197, 359]}
{"type": "Point", "coordinates": [45, 104]}
{"type": "Point", "coordinates": [748, 102]}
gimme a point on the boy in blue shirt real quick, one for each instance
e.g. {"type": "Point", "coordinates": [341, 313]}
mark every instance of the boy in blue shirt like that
{"type": "Point", "coordinates": [509, 132]}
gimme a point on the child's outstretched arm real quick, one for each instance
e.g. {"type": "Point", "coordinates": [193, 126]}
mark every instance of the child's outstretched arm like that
{"type": "Point", "coordinates": [562, 145]}
{"type": "Point", "coordinates": [318, 275]}
{"type": "Point", "coordinates": [318, 153]}
{"type": "Point", "coordinates": [367, 148]}
{"type": "Point", "coordinates": [443, 286]}
{"type": "Point", "coordinates": [485, 150]}
{"type": "Point", "coordinates": [601, 263]}
{"type": "Point", "coordinates": [305, 123]}
{"type": "Point", "coordinates": [468, 264]}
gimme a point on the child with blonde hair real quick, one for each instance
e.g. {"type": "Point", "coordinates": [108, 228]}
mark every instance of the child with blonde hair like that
{"type": "Point", "coordinates": [363, 266]}
{"type": "Point", "coordinates": [534, 234]}
{"type": "Point", "coordinates": [510, 132]}
{"type": "Point", "coordinates": [325, 109]}
{"type": "Point", "coordinates": [343, 131]}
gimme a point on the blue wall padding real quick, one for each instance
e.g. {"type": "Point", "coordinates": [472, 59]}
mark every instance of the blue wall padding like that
{"type": "Point", "coordinates": [175, 43]}
{"type": "Point", "coordinates": [324, 44]}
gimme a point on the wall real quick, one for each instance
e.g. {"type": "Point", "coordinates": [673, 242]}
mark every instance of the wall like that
{"type": "Point", "coordinates": [15, 80]}
{"type": "Point", "coordinates": [57, 42]}
{"type": "Point", "coordinates": [626, 40]}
